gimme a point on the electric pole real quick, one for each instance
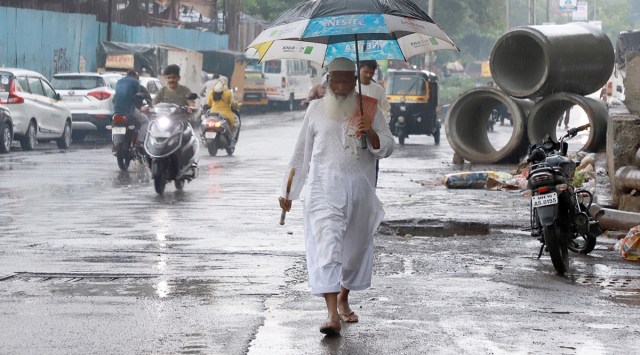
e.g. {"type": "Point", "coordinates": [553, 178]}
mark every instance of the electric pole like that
{"type": "Point", "coordinates": [532, 12]}
{"type": "Point", "coordinates": [508, 3]}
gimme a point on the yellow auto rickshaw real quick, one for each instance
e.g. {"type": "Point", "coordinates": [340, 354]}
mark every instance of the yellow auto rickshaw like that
{"type": "Point", "coordinates": [413, 95]}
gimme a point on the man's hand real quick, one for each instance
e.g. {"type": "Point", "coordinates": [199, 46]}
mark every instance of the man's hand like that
{"type": "Point", "coordinates": [365, 127]}
{"type": "Point", "coordinates": [284, 204]}
{"type": "Point", "coordinates": [144, 109]}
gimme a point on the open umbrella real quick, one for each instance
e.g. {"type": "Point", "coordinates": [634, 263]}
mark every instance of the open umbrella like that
{"type": "Point", "coordinates": [322, 30]}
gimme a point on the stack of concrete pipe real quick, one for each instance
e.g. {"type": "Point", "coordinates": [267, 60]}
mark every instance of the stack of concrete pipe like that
{"type": "Point", "coordinates": [541, 71]}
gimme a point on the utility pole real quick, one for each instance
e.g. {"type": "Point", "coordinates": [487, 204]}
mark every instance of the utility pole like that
{"type": "Point", "coordinates": [532, 12]}
{"type": "Point", "coordinates": [595, 10]}
{"type": "Point", "coordinates": [430, 10]}
{"type": "Point", "coordinates": [547, 12]}
{"type": "Point", "coordinates": [109, 15]}
{"type": "Point", "coordinates": [508, 3]}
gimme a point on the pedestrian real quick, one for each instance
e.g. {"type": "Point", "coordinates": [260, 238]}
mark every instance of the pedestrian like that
{"type": "Point", "coordinates": [209, 84]}
{"type": "Point", "coordinates": [316, 92]}
{"type": "Point", "coordinates": [567, 116]}
{"type": "Point", "coordinates": [341, 209]}
{"type": "Point", "coordinates": [372, 89]}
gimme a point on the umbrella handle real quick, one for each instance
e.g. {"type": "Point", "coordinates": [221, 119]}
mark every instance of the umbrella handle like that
{"type": "Point", "coordinates": [363, 140]}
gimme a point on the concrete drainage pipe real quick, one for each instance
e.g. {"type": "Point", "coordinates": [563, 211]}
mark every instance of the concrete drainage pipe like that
{"type": "Point", "coordinates": [544, 117]}
{"type": "Point", "coordinates": [466, 126]}
{"type": "Point", "coordinates": [535, 61]}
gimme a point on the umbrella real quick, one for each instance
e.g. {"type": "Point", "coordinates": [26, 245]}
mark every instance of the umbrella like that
{"type": "Point", "coordinates": [322, 30]}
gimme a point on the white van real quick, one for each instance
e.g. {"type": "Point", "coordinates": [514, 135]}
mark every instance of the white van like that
{"type": "Point", "coordinates": [287, 81]}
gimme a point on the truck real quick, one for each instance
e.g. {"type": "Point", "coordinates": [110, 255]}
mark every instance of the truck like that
{"type": "Point", "coordinates": [151, 60]}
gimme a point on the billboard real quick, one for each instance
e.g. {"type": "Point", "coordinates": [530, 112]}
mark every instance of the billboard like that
{"type": "Point", "coordinates": [568, 5]}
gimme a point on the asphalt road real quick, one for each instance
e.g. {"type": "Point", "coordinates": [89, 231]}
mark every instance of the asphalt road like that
{"type": "Point", "coordinates": [93, 261]}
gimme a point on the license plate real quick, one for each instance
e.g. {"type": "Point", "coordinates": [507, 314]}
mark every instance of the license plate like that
{"type": "Point", "coordinates": [544, 200]}
{"type": "Point", "coordinates": [209, 134]}
{"type": "Point", "coordinates": [118, 130]}
{"type": "Point", "coordinates": [162, 134]}
{"type": "Point", "coordinates": [74, 99]}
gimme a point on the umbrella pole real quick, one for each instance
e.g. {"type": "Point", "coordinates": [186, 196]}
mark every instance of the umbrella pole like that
{"type": "Point", "coordinates": [363, 137]}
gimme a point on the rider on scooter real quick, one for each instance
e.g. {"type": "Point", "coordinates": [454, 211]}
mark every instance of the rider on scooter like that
{"type": "Point", "coordinates": [221, 101]}
{"type": "Point", "coordinates": [125, 103]}
{"type": "Point", "coordinates": [174, 93]}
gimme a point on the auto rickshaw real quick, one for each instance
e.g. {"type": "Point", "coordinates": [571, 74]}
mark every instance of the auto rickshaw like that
{"type": "Point", "coordinates": [413, 95]}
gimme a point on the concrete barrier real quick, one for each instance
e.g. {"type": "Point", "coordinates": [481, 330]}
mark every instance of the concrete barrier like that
{"type": "Point", "coordinates": [545, 114]}
{"type": "Point", "coordinates": [466, 126]}
{"type": "Point", "coordinates": [534, 61]}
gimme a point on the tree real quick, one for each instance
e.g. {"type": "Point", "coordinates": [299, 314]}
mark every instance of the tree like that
{"type": "Point", "coordinates": [267, 10]}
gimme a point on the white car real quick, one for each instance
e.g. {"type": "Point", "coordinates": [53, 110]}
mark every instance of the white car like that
{"type": "Point", "coordinates": [153, 85]}
{"type": "Point", "coordinates": [90, 98]}
{"type": "Point", "coordinates": [37, 110]}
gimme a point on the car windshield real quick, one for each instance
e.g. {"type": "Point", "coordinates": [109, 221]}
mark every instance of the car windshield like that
{"type": "Point", "coordinates": [5, 81]}
{"type": "Point", "coordinates": [76, 82]}
{"type": "Point", "coordinates": [406, 85]}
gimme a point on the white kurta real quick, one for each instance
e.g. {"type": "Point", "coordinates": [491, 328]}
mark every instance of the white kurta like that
{"type": "Point", "coordinates": [376, 91]}
{"type": "Point", "coordinates": [341, 209]}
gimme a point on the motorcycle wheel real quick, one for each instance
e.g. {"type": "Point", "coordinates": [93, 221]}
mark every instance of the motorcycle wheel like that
{"type": "Point", "coordinates": [158, 184]}
{"type": "Point", "coordinates": [582, 244]}
{"type": "Point", "coordinates": [212, 148]}
{"type": "Point", "coordinates": [557, 247]}
{"type": "Point", "coordinates": [401, 136]}
{"type": "Point", "coordinates": [123, 158]}
{"type": "Point", "coordinates": [230, 151]}
{"type": "Point", "coordinates": [179, 183]}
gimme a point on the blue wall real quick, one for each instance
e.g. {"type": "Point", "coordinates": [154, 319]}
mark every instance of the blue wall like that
{"type": "Point", "coordinates": [52, 42]}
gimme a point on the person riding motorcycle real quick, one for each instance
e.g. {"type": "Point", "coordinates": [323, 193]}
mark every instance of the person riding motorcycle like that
{"type": "Point", "coordinates": [221, 101]}
{"type": "Point", "coordinates": [125, 103]}
{"type": "Point", "coordinates": [173, 92]}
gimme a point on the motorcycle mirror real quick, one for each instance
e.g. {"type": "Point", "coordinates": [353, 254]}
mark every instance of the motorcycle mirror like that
{"type": "Point", "coordinates": [192, 96]}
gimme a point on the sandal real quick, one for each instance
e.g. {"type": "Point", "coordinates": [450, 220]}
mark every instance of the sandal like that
{"type": "Point", "coordinates": [349, 318]}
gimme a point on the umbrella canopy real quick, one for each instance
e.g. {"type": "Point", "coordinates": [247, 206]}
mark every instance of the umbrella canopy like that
{"type": "Point", "coordinates": [322, 30]}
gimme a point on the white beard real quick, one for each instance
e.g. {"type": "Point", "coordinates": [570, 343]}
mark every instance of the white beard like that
{"type": "Point", "coordinates": [340, 107]}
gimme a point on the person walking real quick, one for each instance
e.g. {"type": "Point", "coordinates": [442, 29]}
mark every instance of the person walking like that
{"type": "Point", "coordinates": [341, 209]}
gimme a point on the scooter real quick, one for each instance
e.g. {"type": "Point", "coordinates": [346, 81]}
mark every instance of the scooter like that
{"type": "Point", "coordinates": [560, 216]}
{"type": "Point", "coordinates": [124, 135]}
{"type": "Point", "coordinates": [216, 131]}
{"type": "Point", "coordinates": [171, 146]}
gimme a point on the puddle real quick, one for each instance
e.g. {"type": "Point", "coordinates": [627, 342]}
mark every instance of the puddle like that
{"type": "Point", "coordinates": [623, 289]}
{"type": "Point", "coordinates": [433, 228]}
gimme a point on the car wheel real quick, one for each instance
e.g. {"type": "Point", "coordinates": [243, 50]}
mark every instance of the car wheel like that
{"type": "Point", "coordinates": [64, 142]}
{"type": "Point", "coordinates": [29, 141]}
{"type": "Point", "coordinates": [5, 138]}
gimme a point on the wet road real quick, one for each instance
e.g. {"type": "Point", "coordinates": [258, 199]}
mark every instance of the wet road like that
{"type": "Point", "coordinates": [93, 261]}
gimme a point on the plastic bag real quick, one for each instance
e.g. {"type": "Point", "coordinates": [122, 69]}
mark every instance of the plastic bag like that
{"type": "Point", "coordinates": [473, 180]}
{"type": "Point", "coordinates": [630, 245]}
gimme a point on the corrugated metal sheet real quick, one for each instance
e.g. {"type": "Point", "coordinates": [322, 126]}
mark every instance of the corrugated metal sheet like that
{"type": "Point", "coordinates": [51, 42]}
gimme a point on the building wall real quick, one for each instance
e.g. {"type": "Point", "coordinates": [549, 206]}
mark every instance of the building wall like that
{"type": "Point", "coordinates": [52, 42]}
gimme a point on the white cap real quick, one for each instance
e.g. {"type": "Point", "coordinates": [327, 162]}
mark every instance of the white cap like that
{"type": "Point", "coordinates": [218, 87]}
{"type": "Point", "coordinates": [342, 64]}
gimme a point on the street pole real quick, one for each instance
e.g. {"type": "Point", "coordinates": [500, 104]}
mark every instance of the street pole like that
{"type": "Point", "coordinates": [595, 10]}
{"type": "Point", "coordinates": [109, 15]}
{"type": "Point", "coordinates": [547, 12]}
{"type": "Point", "coordinates": [432, 54]}
{"type": "Point", "coordinates": [508, 2]}
{"type": "Point", "coordinates": [532, 12]}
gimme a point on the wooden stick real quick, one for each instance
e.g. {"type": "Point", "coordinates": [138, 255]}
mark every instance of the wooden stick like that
{"type": "Point", "coordinates": [286, 197]}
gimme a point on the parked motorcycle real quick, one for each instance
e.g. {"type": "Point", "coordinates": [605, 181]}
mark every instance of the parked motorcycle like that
{"type": "Point", "coordinates": [559, 213]}
{"type": "Point", "coordinates": [171, 146]}
{"type": "Point", "coordinates": [124, 135]}
{"type": "Point", "coordinates": [216, 131]}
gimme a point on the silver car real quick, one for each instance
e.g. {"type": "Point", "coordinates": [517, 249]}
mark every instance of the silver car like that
{"type": "Point", "coordinates": [37, 110]}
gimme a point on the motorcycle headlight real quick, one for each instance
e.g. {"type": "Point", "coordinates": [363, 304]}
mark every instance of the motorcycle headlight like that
{"type": "Point", "coordinates": [401, 119]}
{"type": "Point", "coordinates": [164, 122]}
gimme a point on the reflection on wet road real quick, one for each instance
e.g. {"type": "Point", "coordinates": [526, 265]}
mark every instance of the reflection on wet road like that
{"type": "Point", "coordinates": [91, 258]}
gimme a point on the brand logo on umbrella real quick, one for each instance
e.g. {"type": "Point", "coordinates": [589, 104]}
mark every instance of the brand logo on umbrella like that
{"type": "Point", "coordinates": [306, 50]}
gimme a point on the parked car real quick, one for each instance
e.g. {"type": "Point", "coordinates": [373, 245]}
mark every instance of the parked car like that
{"type": "Point", "coordinates": [152, 84]}
{"type": "Point", "coordinates": [90, 98]}
{"type": "Point", "coordinates": [36, 108]}
{"type": "Point", "coordinates": [6, 129]}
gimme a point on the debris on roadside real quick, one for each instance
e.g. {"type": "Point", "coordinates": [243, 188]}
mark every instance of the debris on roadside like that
{"type": "Point", "coordinates": [629, 246]}
{"type": "Point", "coordinates": [474, 180]}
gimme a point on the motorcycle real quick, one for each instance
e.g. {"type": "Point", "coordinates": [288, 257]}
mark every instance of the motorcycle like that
{"type": "Point", "coordinates": [560, 216]}
{"type": "Point", "coordinates": [216, 131]}
{"type": "Point", "coordinates": [124, 135]}
{"type": "Point", "coordinates": [171, 146]}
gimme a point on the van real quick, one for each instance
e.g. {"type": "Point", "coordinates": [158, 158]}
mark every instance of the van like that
{"type": "Point", "coordinates": [287, 81]}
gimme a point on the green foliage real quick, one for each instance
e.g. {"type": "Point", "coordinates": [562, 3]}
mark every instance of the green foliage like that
{"type": "Point", "coordinates": [451, 87]}
{"type": "Point", "coordinates": [267, 9]}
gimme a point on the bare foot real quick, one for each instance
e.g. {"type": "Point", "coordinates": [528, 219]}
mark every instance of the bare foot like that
{"type": "Point", "coordinates": [331, 327]}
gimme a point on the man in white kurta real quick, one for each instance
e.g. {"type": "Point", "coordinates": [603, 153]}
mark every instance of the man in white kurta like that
{"type": "Point", "coordinates": [341, 209]}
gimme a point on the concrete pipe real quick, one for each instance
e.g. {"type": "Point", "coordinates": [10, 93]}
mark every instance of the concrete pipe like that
{"type": "Point", "coordinates": [535, 61]}
{"type": "Point", "coordinates": [466, 126]}
{"type": "Point", "coordinates": [628, 178]}
{"type": "Point", "coordinates": [545, 114]}
{"type": "Point", "coordinates": [610, 219]}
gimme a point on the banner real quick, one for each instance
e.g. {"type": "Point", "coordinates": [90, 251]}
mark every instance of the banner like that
{"type": "Point", "coordinates": [568, 5]}
{"type": "Point", "coordinates": [582, 12]}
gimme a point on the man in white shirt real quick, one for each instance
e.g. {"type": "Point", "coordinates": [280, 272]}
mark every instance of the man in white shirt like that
{"type": "Point", "coordinates": [372, 89]}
